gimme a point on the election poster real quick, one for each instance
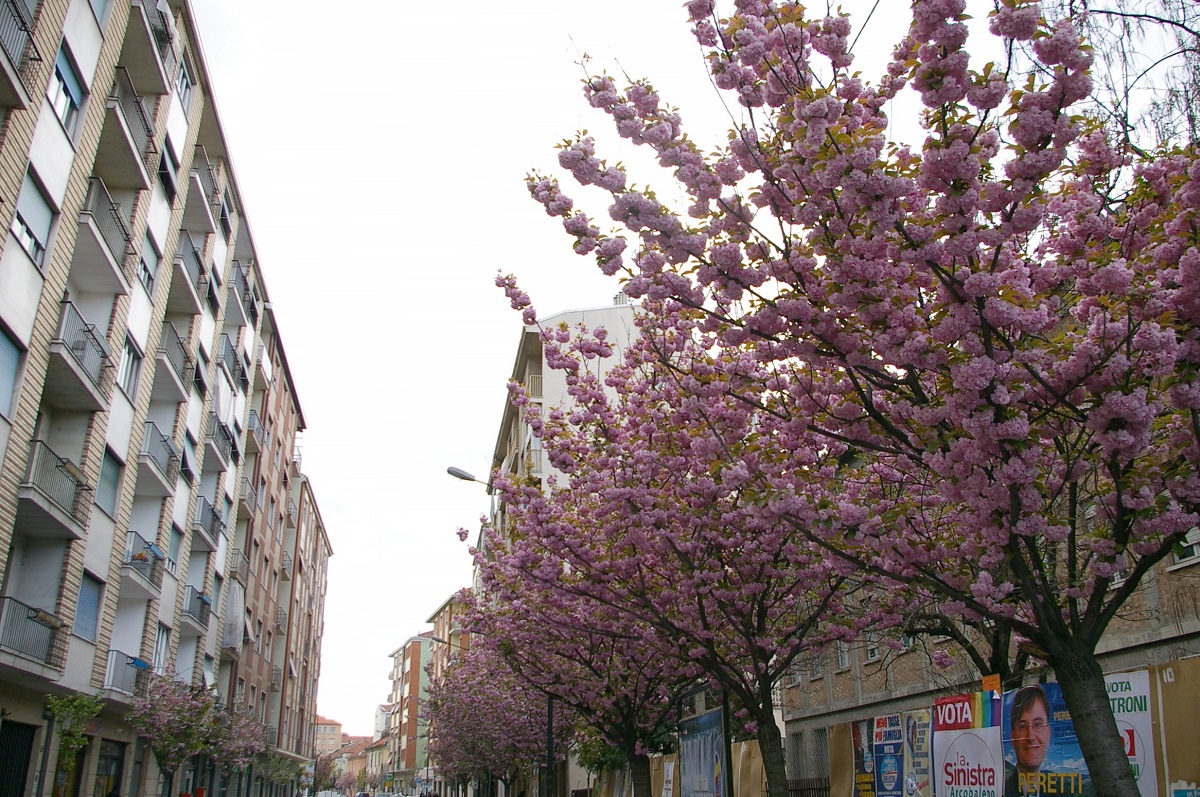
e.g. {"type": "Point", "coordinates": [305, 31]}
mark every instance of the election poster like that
{"type": "Point", "coordinates": [864, 758]}
{"type": "Point", "coordinates": [888, 742]}
{"type": "Point", "coordinates": [1129, 697]}
{"type": "Point", "coordinates": [1041, 751]}
{"type": "Point", "coordinates": [966, 746]}
{"type": "Point", "coordinates": [917, 761]}
{"type": "Point", "coordinates": [701, 756]}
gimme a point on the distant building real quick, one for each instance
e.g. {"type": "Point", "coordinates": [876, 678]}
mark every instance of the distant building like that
{"type": "Point", "coordinates": [405, 731]}
{"type": "Point", "coordinates": [327, 736]}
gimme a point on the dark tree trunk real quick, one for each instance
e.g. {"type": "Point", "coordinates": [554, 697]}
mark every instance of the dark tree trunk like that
{"type": "Point", "coordinates": [1082, 681]}
{"type": "Point", "coordinates": [639, 768]}
{"type": "Point", "coordinates": [770, 745]}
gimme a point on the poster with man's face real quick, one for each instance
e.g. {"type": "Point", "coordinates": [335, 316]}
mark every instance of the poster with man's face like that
{"type": "Point", "coordinates": [1041, 751]}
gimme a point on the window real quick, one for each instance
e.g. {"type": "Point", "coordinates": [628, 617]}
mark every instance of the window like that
{"type": "Point", "coordinates": [110, 479]}
{"type": "Point", "coordinates": [148, 264]}
{"type": "Point", "coordinates": [10, 365]}
{"type": "Point", "coordinates": [131, 367]}
{"type": "Point", "coordinates": [184, 84]}
{"type": "Point", "coordinates": [267, 646]}
{"type": "Point", "coordinates": [843, 655]}
{"type": "Point", "coordinates": [65, 91]}
{"type": "Point", "coordinates": [873, 651]}
{"type": "Point", "coordinates": [816, 665]}
{"type": "Point", "coordinates": [210, 669]}
{"type": "Point", "coordinates": [168, 173]}
{"type": "Point", "coordinates": [1189, 549]}
{"type": "Point", "coordinates": [31, 222]}
{"type": "Point", "coordinates": [162, 648]}
{"type": "Point", "coordinates": [187, 463]}
{"type": "Point", "coordinates": [218, 587]}
{"type": "Point", "coordinates": [173, 549]}
{"type": "Point", "coordinates": [258, 636]}
{"type": "Point", "coordinates": [226, 222]}
{"type": "Point", "coordinates": [87, 613]}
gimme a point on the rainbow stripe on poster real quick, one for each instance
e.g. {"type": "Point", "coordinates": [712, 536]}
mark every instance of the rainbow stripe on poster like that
{"type": "Point", "coordinates": [961, 712]}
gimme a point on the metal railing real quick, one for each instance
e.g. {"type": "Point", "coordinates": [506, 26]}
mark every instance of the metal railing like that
{"type": "Point", "coordinates": [276, 678]}
{"type": "Point", "coordinates": [237, 283]}
{"type": "Point", "coordinates": [161, 451]}
{"type": "Point", "coordinates": [108, 218]}
{"type": "Point", "coordinates": [208, 178]}
{"type": "Point", "coordinates": [228, 355]}
{"type": "Point", "coordinates": [534, 387]}
{"type": "Point", "coordinates": [291, 513]}
{"type": "Point", "coordinates": [144, 557]}
{"type": "Point", "coordinates": [60, 480]}
{"type": "Point", "coordinates": [193, 263]}
{"type": "Point", "coordinates": [220, 436]}
{"type": "Point", "coordinates": [16, 37]}
{"type": "Point", "coordinates": [34, 633]}
{"type": "Point", "coordinates": [254, 428]}
{"type": "Point", "coordinates": [87, 347]}
{"type": "Point", "coordinates": [174, 349]}
{"type": "Point", "coordinates": [125, 673]}
{"type": "Point", "coordinates": [240, 569]}
{"type": "Point", "coordinates": [162, 38]}
{"type": "Point", "coordinates": [281, 618]}
{"type": "Point", "coordinates": [209, 519]}
{"type": "Point", "coordinates": [286, 566]}
{"type": "Point", "coordinates": [137, 118]}
{"type": "Point", "coordinates": [197, 605]}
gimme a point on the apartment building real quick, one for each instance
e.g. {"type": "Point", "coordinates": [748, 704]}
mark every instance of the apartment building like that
{"type": "Point", "coordinates": [153, 515]}
{"type": "Point", "coordinates": [406, 731]}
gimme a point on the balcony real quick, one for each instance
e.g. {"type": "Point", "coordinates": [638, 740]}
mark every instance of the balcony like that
{"type": "Point", "coordinates": [19, 62]}
{"type": "Point", "coordinates": [255, 434]}
{"type": "Point", "coordinates": [263, 371]}
{"type": "Point", "coordinates": [197, 610]}
{"type": "Point", "coordinates": [126, 674]}
{"type": "Point", "coordinates": [235, 365]}
{"type": "Point", "coordinates": [54, 500]}
{"type": "Point", "coordinates": [247, 497]}
{"type": "Point", "coordinates": [291, 514]}
{"type": "Point", "coordinates": [127, 141]}
{"type": "Point", "coordinates": [271, 734]}
{"type": "Point", "coordinates": [240, 569]}
{"type": "Point", "coordinates": [142, 568]}
{"type": "Point", "coordinates": [175, 368]}
{"type": "Point", "coordinates": [208, 526]}
{"type": "Point", "coordinates": [32, 633]}
{"type": "Point", "coordinates": [285, 568]}
{"type": "Point", "coordinates": [189, 284]}
{"type": "Point", "coordinates": [149, 49]}
{"type": "Point", "coordinates": [80, 373]}
{"type": "Point", "coordinates": [201, 189]}
{"type": "Point", "coordinates": [276, 678]}
{"type": "Point", "coordinates": [219, 445]}
{"type": "Point", "coordinates": [158, 468]}
{"type": "Point", "coordinates": [98, 262]}
{"type": "Point", "coordinates": [281, 618]}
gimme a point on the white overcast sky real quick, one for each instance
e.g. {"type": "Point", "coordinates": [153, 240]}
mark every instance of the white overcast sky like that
{"type": "Point", "coordinates": [381, 149]}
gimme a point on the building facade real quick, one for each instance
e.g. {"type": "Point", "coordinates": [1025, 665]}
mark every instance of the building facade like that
{"type": "Point", "coordinates": [327, 736]}
{"type": "Point", "coordinates": [153, 516]}
{"type": "Point", "coordinates": [405, 730]}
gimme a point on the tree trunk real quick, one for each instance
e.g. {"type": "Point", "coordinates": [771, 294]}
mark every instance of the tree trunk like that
{"type": "Point", "coordinates": [1082, 681]}
{"type": "Point", "coordinates": [639, 769]}
{"type": "Point", "coordinates": [770, 745]}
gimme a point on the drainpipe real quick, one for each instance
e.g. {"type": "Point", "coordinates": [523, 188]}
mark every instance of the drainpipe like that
{"type": "Point", "coordinates": [45, 753]}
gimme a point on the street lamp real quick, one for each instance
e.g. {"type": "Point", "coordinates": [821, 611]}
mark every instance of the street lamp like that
{"type": "Point", "coordinates": [466, 476]}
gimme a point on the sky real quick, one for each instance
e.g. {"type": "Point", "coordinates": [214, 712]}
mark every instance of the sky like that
{"type": "Point", "coordinates": [381, 157]}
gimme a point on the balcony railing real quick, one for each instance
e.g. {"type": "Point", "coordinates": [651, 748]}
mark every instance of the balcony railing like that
{"type": "Point", "coordinates": [197, 605]}
{"type": "Point", "coordinates": [228, 354]}
{"type": "Point", "coordinates": [16, 37]}
{"type": "Point", "coordinates": [255, 434]}
{"type": "Point", "coordinates": [208, 519]}
{"type": "Point", "coordinates": [276, 678]}
{"type": "Point", "coordinates": [534, 386]}
{"type": "Point", "coordinates": [34, 633]}
{"type": "Point", "coordinates": [221, 439]}
{"type": "Point", "coordinates": [174, 349]}
{"type": "Point", "coordinates": [248, 495]}
{"type": "Point", "coordinates": [285, 569]}
{"type": "Point", "coordinates": [193, 263]}
{"type": "Point", "coordinates": [162, 39]}
{"type": "Point", "coordinates": [126, 673]}
{"type": "Point", "coordinates": [161, 451]}
{"type": "Point", "coordinates": [291, 513]}
{"type": "Point", "coordinates": [137, 118]}
{"type": "Point", "coordinates": [240, 569]}
{"type": "Point", "coordinates": [86, 346]}
{"type": "Point", "coordinates": [109, 219]}
{"type": "Point", "coordinates": [144, 557]}
{"type": "Point", "coordinates": [60, 480]}
{"type": "Point", "coordinates": [208, 177]}
{"type": "Point", "coordinates": [281, 618]}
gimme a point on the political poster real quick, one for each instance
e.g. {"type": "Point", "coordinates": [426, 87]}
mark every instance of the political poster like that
{"type": "Point", "coordinates": [888, 744]}
{"type": "Point", "coordinates": [966, 746]}
{"type": "Point", "coordinates": [1041, 750]}
{"type": "Point", "coordinates": [701, 756]}
{"type": "Point", "coordinates": [1129, 697]}
{"type": "Point", "coordinates": [864, 758]}
{"type": "Point", "coordinates": [917, 759]}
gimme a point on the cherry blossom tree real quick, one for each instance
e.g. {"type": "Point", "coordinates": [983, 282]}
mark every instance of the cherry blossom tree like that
{"type": "Point", "coordinates": [483, 721]}
{"type": "Point", "coordinates": [970, 364]}
{"type": "Point", "coordinates": [235, 740]}
{"type": "Point", "coordinates": [175, 719]}
{"type": "Point", "coordinates": [579, 652]}
{"type": "Point", "coordinates": [658, 530]}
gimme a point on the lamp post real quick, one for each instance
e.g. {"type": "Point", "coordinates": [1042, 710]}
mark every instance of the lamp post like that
{"type": "Point", "coordinates": [466, 476]}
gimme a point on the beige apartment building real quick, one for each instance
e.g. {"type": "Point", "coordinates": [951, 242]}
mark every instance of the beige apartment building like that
{"type": "Point", "coordinates": [153, 514]}
{"type": "Point", "coordinates": [406, 734]}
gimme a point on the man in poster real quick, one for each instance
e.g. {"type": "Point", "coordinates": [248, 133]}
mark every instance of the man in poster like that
{"type": "Point", "coordinates": [1029, 733]}
{"type": "Point", "coordinates": [1042, 755]}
